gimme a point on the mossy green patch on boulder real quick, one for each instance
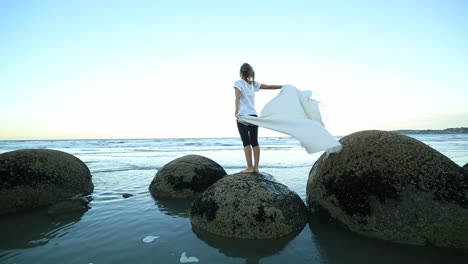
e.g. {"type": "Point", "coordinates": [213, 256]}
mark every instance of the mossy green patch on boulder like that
{"type": "Point", "coordinates": [185, 176]}
{"type": "Point", "coordinates": [31, 178]}
{"type": "Point", "coordinates": [392, 187]}
{"type": "Point", "coordinates": [252, 206]}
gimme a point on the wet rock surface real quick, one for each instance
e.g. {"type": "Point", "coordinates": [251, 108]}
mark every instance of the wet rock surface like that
{"type": "Point", "coordinates": [74, 205]}
{"type": "Point", "coordinates": [185, 177]}
{"type": "Point", "coordinates": [392, 187]}
{"type": "Point", "coordinates": [33, 178]}
{"type": "Point", "coordinates": [252, 206]}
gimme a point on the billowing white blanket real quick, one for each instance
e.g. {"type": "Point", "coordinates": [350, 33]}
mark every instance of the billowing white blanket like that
{"type": "Point", "coordinates": [294, 113]}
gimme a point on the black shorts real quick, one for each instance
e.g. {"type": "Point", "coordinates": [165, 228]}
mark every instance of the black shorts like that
{"type": "Point", "coordinates": [248, 134]}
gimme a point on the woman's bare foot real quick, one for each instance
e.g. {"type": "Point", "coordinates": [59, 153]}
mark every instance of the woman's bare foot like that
{"type": "Point", "coordinates": [255, 170]}
{"type": "Point", "coordinates": [248, 170]}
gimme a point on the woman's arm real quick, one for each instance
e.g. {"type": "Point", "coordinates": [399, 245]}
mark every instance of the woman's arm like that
{"type": "Point", "coordinates": [238, 94]}
{"type": "Point", "coordinates": [266, 86]}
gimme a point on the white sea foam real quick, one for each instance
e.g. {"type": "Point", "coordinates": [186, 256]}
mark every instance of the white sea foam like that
{"type": "Point", "coordinates": [185, 259]}
{"type": "Point", "coordinates": [150, 239]}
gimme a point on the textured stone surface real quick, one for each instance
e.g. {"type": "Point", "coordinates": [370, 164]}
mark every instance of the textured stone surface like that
{"type": "Point", "coordinates": [33, 178]}
{"type": "Point", "coordinates": [466, 167]}
{"type": "Point", "coordinates": [252, 206]}
{"type": "Point", "coordinates": [185, 176]}
{"type": "Point", "coordinates": [392, 187]}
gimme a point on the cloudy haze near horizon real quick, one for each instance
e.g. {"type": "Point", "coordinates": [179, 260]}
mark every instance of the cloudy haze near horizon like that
{"type": "Point", "coordinates": [165, 69]}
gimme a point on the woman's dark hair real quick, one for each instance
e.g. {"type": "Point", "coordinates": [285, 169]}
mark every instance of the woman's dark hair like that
{"type": "Point", "coordinates": [247, 71]}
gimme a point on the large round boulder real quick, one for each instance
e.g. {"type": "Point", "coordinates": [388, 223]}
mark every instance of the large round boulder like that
{"type": "Point", "coordinates": [252, 206]}
{"type": "Point", "coordinates": [392, 187]}
{"type": "Point", "coordinates": [185, 176]}
{"type": "Point", "coordinates": [33, 178]}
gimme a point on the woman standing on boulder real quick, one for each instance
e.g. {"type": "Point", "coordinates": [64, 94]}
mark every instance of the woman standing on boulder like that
{"type": "Point", "coordinates": [245, 105]}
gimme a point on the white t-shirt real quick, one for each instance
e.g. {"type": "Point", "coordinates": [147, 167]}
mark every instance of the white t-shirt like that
{"type": "Point", "coordinates": [247, 98]}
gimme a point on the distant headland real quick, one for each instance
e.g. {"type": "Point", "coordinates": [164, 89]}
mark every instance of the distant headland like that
{"type": "Point", "coordinates": [456, 130]}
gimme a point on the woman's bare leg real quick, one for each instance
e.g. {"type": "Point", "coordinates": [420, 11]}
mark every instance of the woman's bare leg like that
{"type": "Point", "coordinates": [248, 158]}
{"type": "Point", "coordinates": [256, 151]}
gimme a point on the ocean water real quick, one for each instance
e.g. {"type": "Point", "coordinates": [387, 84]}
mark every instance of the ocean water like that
{"type": "Point", "coordinates": [141, 229]}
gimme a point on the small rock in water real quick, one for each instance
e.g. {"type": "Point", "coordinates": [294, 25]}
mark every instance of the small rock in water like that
{"type": "Point", "coordinates": [185, 259]}
{"type": "Point", "coordinates": [149, 239]}
{"type": "Point", "coordinates": [127, 195]}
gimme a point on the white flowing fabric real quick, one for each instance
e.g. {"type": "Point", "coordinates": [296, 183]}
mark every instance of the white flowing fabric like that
{"type": "Point", "coordinates": [294, 113]}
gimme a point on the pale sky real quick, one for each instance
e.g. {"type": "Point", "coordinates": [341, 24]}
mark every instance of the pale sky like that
{"type": "Point", "coordinates": [165, 69]}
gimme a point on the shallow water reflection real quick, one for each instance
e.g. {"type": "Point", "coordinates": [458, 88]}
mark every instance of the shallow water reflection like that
{"type": "Point", "coordinates": [174, 207]}
{"type": "Point", "coordinates": [252, 250]}
{"type": "Point", "coordinates": [34, 228]}
{"type": "Point", "coordinates": [338, 245]}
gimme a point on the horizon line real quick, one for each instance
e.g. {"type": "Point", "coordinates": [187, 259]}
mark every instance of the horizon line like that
{"type": "Point", "coordinates": [220, 137]}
